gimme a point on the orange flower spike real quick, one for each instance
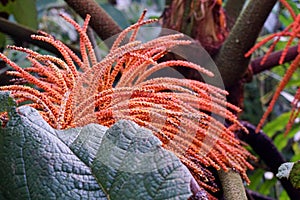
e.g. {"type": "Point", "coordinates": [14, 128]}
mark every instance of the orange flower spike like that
{"type": "Point", "coordinates": [114, 73]}
{"type": "Point", "coordinates": [294, 65]}
{"type": "Point", "coordinates": [19, 91]}
{"type": "Point", "coordinates": [70, 77]}
{"type": "Point", "coordinates": [166, 41]}
{"type": "Point", "coordinates": [287, 6]}
{"type": "Point", "coordinates": [270, 50]}
{"type": "Point", "coordinates": [39, 68]}
{"type": "Point", "coordinates": [48, 73]}
{"type": "Point", "coordinates": [62, 84]}
{"type": "Point", "coordinates": [172, 63]}
{"type": "Point", "coordinates": [259, 44]}
{"type": "Point", "coordinates": [73, 56]}
{"type": "Point", "coordinates": [30, 78]}
{"type": "Point", "coordinates": [123, 34]}
{"type": "Point", "coordinates": [65, 111]}
{"type": "Point", "coordinates": [66, 52]}
{"type": "Point", "coordinates": [295, 112]}
{"type": "Point", "coordinates": [50, 39]}
{"type": "Point", "coordinates": [84, 40]}
{"type": "Point", "coordinates": [25, 50]}
{"type": "Point", "coordinates": [105, 65]}
{"type": "Point", "coordinates": [87, 41]}
{"type": "Point", "coordinates": [293, 35]}
{"type": "Point", "coordinates": [134, 34]}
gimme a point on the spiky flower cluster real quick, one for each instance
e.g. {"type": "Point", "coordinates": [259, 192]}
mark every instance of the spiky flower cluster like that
{"type": "Point", "coordinates": [178, 111]}
{"type": "Point", "coordinates": [293, 33]}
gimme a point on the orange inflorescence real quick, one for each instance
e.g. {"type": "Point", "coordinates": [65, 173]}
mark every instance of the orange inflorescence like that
{"type": "Point", "coordinates": [293, 32]}
{"type": "Point", "coordinates": [178, 111]}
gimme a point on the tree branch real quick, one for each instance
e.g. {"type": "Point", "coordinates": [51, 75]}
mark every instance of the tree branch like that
{"type": "Point", "coordinates": [101, 22]}
{"type": "Point", "coordinates": [268, 152]}
{"type": "Point", "coordinates": [273, 60]}
{"type": "Point", "coordinates": [23, 33]}
{"type": "Point", "coordinates": [230, 60]}
{"type": "Point", "coordinates": [232, 185]}
{"type": "Point", "coordinates": [257, 196]}
{"type": "Point", "coordinates": [233, 9]}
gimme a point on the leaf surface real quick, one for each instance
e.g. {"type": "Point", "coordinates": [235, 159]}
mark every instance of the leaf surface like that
{"type": "Point", "coordinates": [291, 171]}
{"type": "Point", "coordinates": [90, 162]}
{"type": "Point", "coordinates": [25, 13]}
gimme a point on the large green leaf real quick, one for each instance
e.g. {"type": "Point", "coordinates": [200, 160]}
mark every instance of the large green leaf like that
{"type": "Point", "coordinates": [90, 162]}
{"type": "Point", "coordinates": [25, 13]}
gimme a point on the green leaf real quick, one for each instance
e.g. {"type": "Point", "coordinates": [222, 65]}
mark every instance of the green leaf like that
{"type": "Point", "coordinates": [294, 5]}
{"type": "Point", "coordinates": [295, 175]}
{"type": "Point", "coordinates": [281, 141]}
{"type": "Point", "coordinates": [285, 20]}
{"type": "Point", "coordinates": [90, 162]}
{"type": "Point", "coordinates": [284, 195]}
{"type": "Point", "coordinates": [256, 179]}
{"type": "Point", "coordinates": [25, 13]}
{"type": "Point", "coordinates": [7, 104]}
{"type": "Point", "coordinates": [290, 171]}
{"type": "Point", "coordinates": [277, 124]}
{"type": "Point", "coordinates": [267, 186]}
{"type": "Point", "coordinates": [117, 15]}
{"type": "Point", "coordinates": [296, 149]}
{"type": "Point", "coordinates": [7, 8]}
{"type": "Point", "coordinates": [129, 151]}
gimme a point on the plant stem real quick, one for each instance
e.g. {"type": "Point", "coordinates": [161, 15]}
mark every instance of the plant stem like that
{"type": "Point", "coordinates": [233, 9]}
{"type": "Point", "coordinates": [258, 196]}
{"type": "Point", "coordinates": [232, 185]}
{"type": "Point", "coordinates": [230, 60]}
{"type": "Point", "coordinates": [101, 22]}
{"type": "Point", "coordinates": [273, 60]}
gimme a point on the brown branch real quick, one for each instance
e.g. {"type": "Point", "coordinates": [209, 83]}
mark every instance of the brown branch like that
{"type": "Point", "coordinates": [23, 33]}
{"type": "Point", "coordinates": [257, 196]}
{"type": "Point", "coordinates": [101, 22]}
{"type": "Point", "coordinates": [230, 60]}
{"type": "Point", "coordinates": [233, 9]}
{"type": "Point", "coordinates": [232, 185]}
{"type": "Point", "coordinates": [273, 60]}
